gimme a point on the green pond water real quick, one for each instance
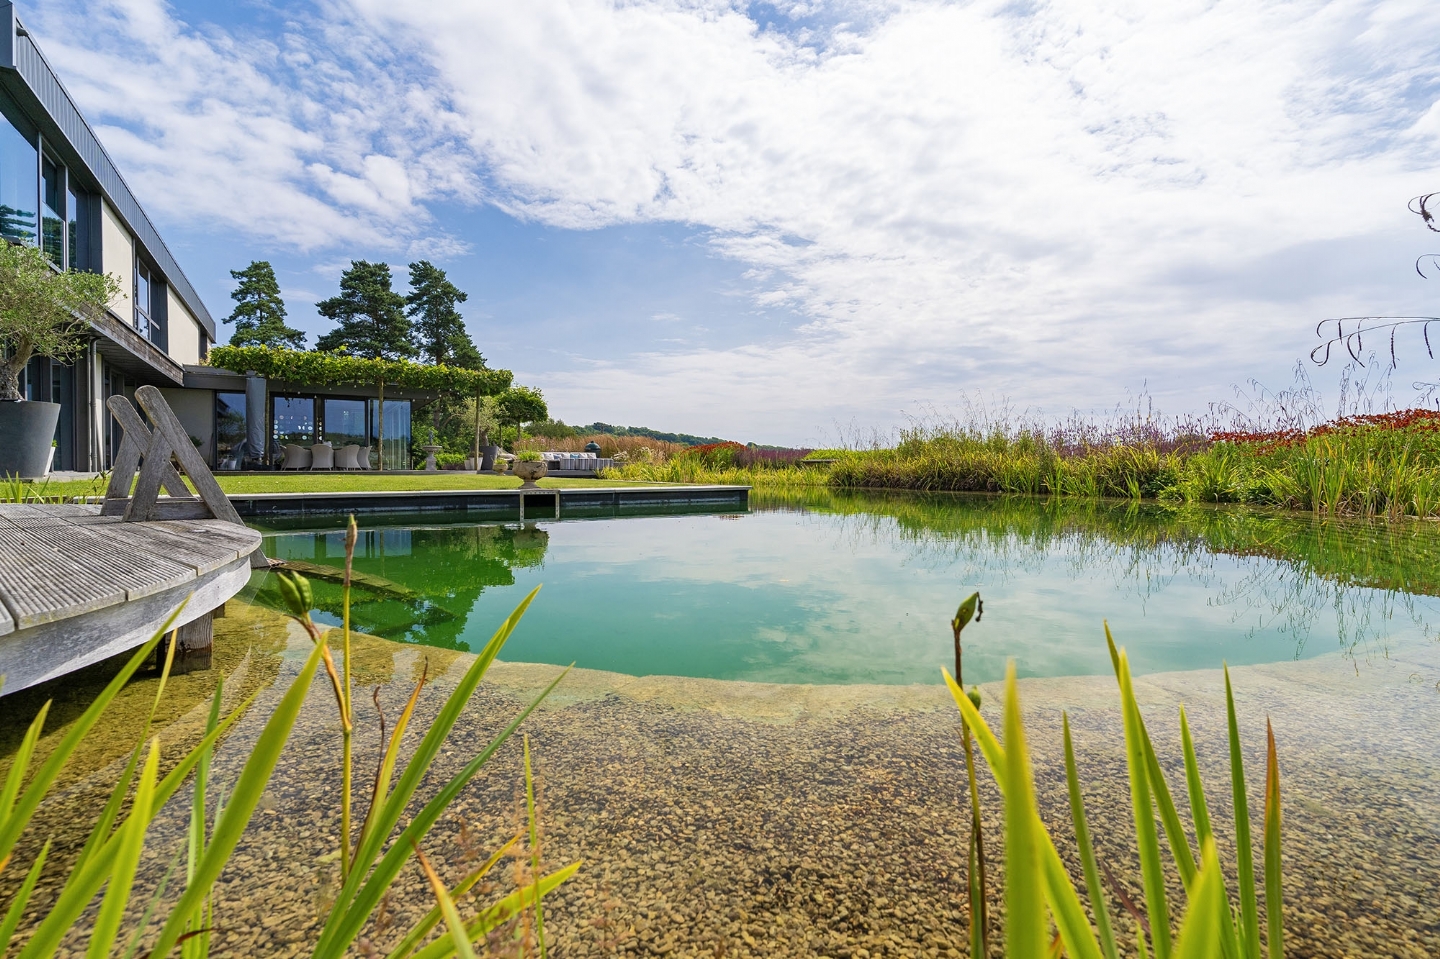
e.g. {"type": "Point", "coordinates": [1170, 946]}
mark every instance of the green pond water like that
{"type": "Point", "coordinates": [829, 588]}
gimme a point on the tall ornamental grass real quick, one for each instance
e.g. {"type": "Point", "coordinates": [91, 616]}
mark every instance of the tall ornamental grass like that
{"type": "Point", "coordinates": [390, 836]}
{"type": "Point", "coordinates": [1043, 907]}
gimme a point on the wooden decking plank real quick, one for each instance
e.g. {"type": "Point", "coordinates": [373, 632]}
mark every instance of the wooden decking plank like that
{"type": "Point", "coordinates": [140, 572]}
{"type": "Point", "coordinates": [201, 555]}
{"type": "Point", "coordinates": [216, 531]}
{"type": "Point", "coordinates": [39, 584]}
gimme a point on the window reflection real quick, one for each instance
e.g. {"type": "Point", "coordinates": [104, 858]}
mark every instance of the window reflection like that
{"type": "Point", "coordinates": [231, 445]}
{"type": "Point", "coordinates": [52, 215]}
{"type": "Point", "coordinates": [345, 423]}
{"type": "Point", "coordinates": [397, 434]}
{"type": "Point", "coordinates": [18, 186]}
{"type": "Point", "coordinates": [293, 422]}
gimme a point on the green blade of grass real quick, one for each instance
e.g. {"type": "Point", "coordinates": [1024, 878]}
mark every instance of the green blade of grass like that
{"type": "Point", "coordinates": [1147, 840]}
{"type": "Point", "coordinates": [14, 823]}
{"type": "Point", "coordinates": [422, 929]}
{"type": "Point", "coordinates": [155, 899]}
{"type": "Point", "coordinates": [20, 763]}
{"type": "Point", "coordinates": [1159, 788]}
{"type": "Point", "coordinates": [1244, 855]}
{"type": "Point", "coordinates": [990, 746]}
{"type": "Point", "coordinates": [1024, 898]}
{"type": "Point", "coordinates": [1169, 818]}
{"type": "Point", "coordinates": [127, 859]}
{"type": "Point", "coordinates": [85, 881]}
{"type": "Point", "coordinates": [1058, 891]}
{"type": "Point", "coordinates": [344, 926]}
{"type": "Point", "coordinates": [1098, 902]}
{"type": "Point", "coordinates": [977, 902]}
{"type": "Point", "coordinates": [1199, 809]}
{"type": "Point", "coordinates": [386, 769]}
{"type": "Point", "coordinates": [1274, 929]}
{"type": "Point", "coordinates": [459, 937]}
{"type": "Point", "coordinates": [498, 913]}
{"type": "Point", "coordinates": [244, 796]}
{"type": "Point", "coordinates": [197, 947]}
{"type": "Point", "coordinates": [22, 898]}
{"type": "Point", "coordinates": [1200, 929]}
{"type": "Point", "coordinates": [419, 764]}
{"type": "Point", "coordinates": [534, 848]}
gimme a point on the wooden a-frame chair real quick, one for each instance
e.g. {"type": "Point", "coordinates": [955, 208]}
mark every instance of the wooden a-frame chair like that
{"type": "Point", "coordinates": [155, 453]}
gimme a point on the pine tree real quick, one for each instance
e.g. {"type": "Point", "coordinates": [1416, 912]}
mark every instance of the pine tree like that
{"type": "Point", "coordinates": [259, 315]}
{"type": "Point", "coordinates": [370, 316]}
{"type": "Point", "coordinates": [439, 325]}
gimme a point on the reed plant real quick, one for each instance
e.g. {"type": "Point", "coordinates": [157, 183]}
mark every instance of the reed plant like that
{"type": "Point", "coordinates": [371, 860]}
{"type": "Point", "coordinates": [1043, 906]}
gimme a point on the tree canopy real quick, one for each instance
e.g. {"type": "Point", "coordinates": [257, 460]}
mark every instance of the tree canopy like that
{"type": "Point", "coordinates": [438, 324]}
{"type": "Point", "coordinates": [259, 314]}
{"type": "Point", "coordinates": [44, 312]}
{"type": "Point", "coordinates": [370, 316]}
{"type": "Point", "coordinates": [521, 404]}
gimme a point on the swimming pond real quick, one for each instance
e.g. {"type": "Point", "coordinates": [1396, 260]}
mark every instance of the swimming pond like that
{"type": "Point", "coordinates": [836, 589]}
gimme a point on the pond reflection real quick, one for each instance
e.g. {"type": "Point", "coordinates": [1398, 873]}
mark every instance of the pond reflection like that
{"type": "Point", "coordinates": [832, 588]}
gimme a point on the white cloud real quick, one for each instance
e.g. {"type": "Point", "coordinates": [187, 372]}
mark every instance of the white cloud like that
{"type": "Point", "coordinates": [1014, 198]}
{"type": "Point", "coordinates": [302, 138]}
{"type": "Point", "coordinates": [1056, 200]}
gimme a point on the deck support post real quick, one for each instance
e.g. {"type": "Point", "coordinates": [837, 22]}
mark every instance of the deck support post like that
{"type": "Point", "coordinates": [193, 645]}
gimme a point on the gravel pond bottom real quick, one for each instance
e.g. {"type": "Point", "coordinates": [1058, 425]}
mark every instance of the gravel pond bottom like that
{"type": "Point", "coordinates": [737, 819]}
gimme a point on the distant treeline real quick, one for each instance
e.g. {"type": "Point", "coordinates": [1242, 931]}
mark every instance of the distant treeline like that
{"type": "Point", "coordinates": [558, 429]}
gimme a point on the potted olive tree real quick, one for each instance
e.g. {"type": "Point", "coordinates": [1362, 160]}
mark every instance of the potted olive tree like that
{"type": "Point", "coordinates": [46, 313]}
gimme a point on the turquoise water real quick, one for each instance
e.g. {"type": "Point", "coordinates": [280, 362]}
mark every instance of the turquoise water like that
{"type": "Point", "coordinates": [861, 589]}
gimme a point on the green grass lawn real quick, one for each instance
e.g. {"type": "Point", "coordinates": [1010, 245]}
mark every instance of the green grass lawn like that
{"type": "Point", "coordinates": [299, 482]}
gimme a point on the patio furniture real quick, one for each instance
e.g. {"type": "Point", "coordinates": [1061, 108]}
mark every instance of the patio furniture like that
{"type": "Point", "coordinates": [296, 457]}
{"type": "Point", "coordinates": [346, 457]}
{"type": "Point", "coordinates": [236, 458]}
{"type": "Point", "coordinates": [322, 456]}
{"type": "Point", "coordinates": [362, 458]}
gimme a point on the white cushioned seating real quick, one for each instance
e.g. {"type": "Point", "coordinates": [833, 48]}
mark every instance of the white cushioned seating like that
{"type": "Point", "coordinates": [296, 457]}
{"type": "Point", "coordinates": [362, 458]}
{"type": "Point", "coordinates": [322, 456]}
{"type": "Point", "coordinates": [345, 457]}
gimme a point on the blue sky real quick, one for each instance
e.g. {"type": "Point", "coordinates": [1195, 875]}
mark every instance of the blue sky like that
{"type": "Point", "coordinates": [787, 221]}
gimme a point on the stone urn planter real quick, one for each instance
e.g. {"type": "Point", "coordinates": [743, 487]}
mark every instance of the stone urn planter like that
{"type": "Point", "coordinates": [27, 429]}
{"type": "Point", "coordinates": [530, 471]}
{"type": "Point", "coordinates": [430, 452]}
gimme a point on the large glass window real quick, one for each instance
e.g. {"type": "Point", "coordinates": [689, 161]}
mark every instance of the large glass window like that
{"type": "Point", "coordinates": [293, 421]}
{"type": "Point", "coordinates": [142, 300]}
{"type": "Point", "coordinates": [230, 431]}
{"type": "Point", "coordinates": [19, 189]}
{"type": "Point", "coordinates": [72, 213]}
{"type": "Point", "coordinates": [345, 423]}
{"type": "Point", "coordinates": [397, 434]}
{"type": "Point", "coordinates": [52, 211]}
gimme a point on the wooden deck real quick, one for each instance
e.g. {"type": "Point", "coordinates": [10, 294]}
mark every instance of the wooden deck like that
{"type": "Point", "coordinates": [77, 587]}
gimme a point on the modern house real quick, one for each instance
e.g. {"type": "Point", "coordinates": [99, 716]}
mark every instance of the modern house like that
{"type": "Point", "coordinates": [60, 190]}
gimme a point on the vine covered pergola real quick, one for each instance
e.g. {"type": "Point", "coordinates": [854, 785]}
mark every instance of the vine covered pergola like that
{"type": "Point", "coordinates": [338, 369]}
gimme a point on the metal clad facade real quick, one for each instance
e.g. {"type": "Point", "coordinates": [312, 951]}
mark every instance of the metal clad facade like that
{"type": "Point", "coordinates": [30, 64]}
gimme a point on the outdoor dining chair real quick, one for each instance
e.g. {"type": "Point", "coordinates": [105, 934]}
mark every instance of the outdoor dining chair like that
{"type": "Point", "coordinates": [323, 456]}
{"type": "Point", "coordinates": [296, 457]}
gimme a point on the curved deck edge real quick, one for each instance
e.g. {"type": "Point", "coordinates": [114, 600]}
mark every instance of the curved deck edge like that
{"type": "Point", "coordinates": [44, 652]}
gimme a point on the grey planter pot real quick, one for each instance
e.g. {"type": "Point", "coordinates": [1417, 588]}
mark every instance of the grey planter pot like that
{"type": "Point", "coordinates": [487, 457]}
{"type": "Point", "coordinates": [26, 431]}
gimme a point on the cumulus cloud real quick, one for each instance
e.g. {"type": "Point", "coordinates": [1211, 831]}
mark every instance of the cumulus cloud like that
{"type": "Point", "coordinates": [304, 136]}
{"type": "Point", "coordinates": [1056, 200]}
